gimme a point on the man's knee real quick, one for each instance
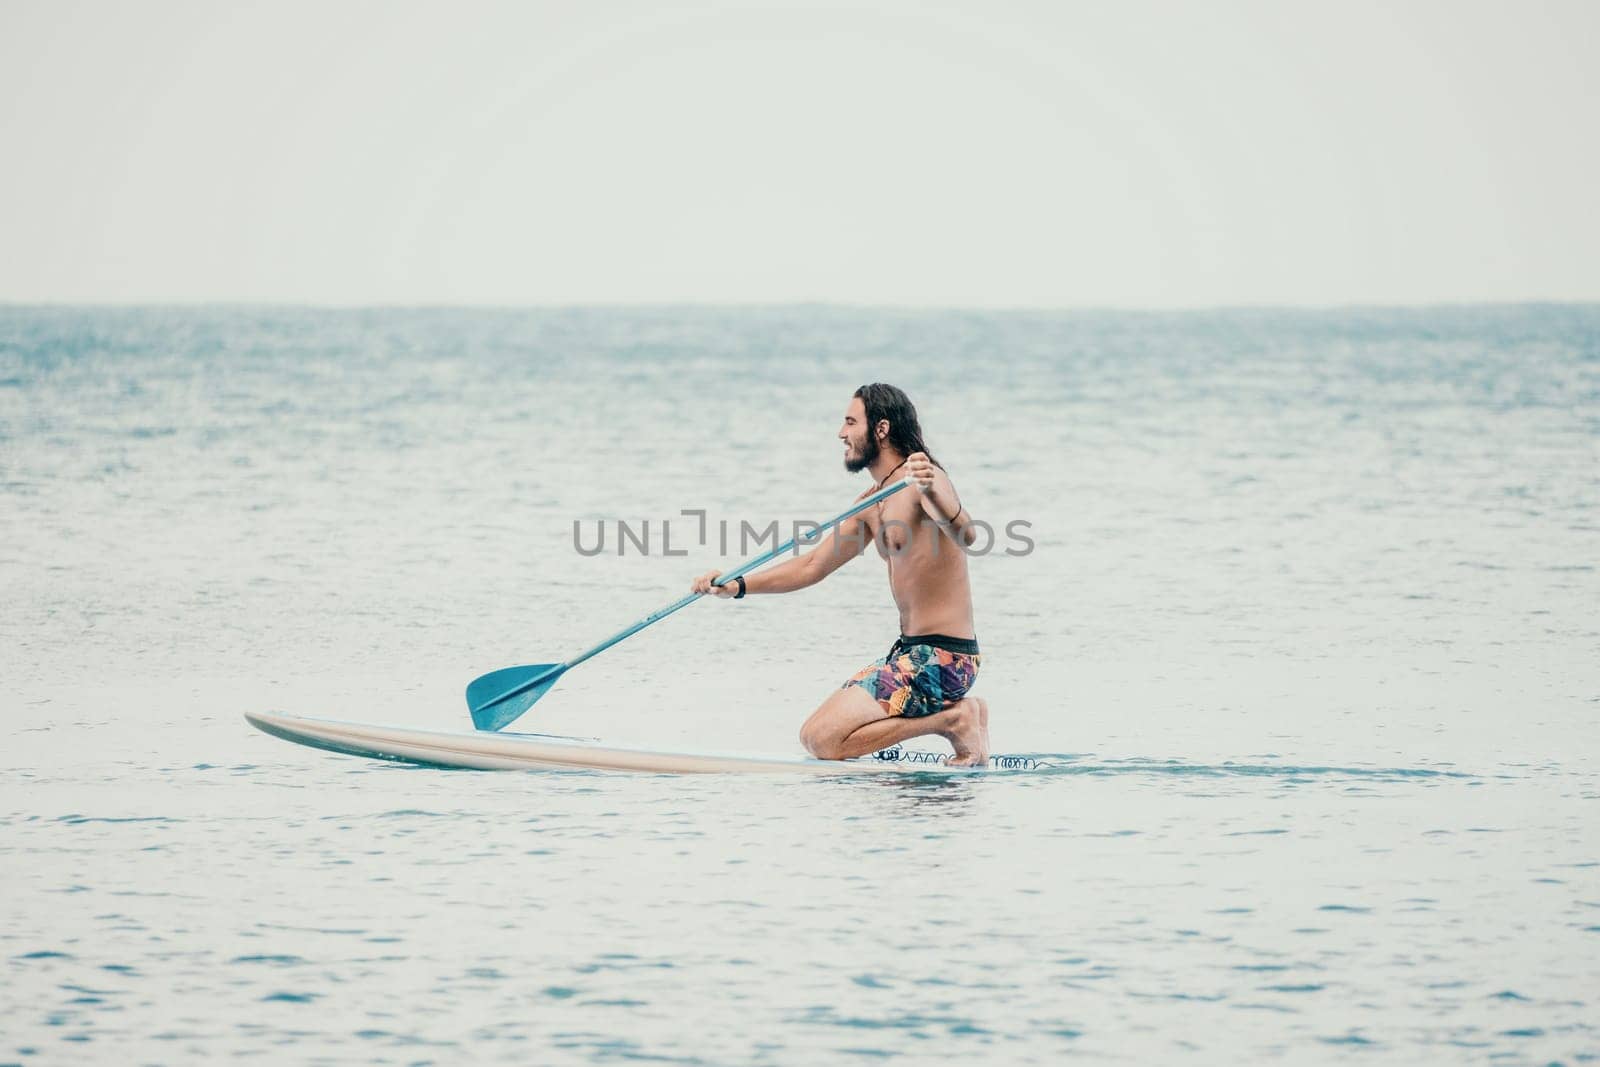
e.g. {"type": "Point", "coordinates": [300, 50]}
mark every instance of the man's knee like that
{"type": "Point", "coordinates": [815, 738]}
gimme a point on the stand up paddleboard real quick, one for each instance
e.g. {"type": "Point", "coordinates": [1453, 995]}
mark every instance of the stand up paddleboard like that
{"type": "Point", "coordinates": [490, 751]}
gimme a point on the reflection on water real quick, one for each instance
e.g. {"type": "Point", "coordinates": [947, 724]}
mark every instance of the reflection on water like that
{"type": "Point", "coordinates": [948, 794]}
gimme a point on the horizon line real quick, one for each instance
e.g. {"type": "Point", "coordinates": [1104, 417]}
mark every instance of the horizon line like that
{"type": "Point", "coordinates": [796, 305]}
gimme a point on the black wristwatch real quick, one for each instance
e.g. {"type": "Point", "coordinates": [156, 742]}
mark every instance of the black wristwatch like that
{"type": "Point", "coordinates": [740, 594]}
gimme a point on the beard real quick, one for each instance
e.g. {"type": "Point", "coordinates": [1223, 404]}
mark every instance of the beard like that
{"type": "Point", "coordinates": [863, 456]}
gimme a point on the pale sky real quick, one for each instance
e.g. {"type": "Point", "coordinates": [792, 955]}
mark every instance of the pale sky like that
{"type": "Point", "coordinates": [924, 153]}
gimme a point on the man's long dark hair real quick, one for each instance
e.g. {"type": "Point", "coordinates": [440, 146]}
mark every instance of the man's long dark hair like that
{"type": "Point", "coordinates": [884, 401]}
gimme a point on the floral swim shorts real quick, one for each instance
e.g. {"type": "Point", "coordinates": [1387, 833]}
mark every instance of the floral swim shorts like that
{"type": "Point", "coordinates": [920, 675]}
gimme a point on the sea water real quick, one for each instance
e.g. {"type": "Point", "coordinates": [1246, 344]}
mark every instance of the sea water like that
{"type": "Point", "coordinates": [1308, 621]}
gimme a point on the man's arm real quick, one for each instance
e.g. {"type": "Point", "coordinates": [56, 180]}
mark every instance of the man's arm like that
{"type": "Point", "coordinates": [843, 542]}
{"type": "Point", "coordinates": [939, 500]}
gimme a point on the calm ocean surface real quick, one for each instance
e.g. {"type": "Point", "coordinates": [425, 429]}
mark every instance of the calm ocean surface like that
{"type": "Point", "coordinates": [1311, 625]}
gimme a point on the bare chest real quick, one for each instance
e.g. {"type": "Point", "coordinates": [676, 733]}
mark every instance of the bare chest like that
{"type": "Point", "coordinates": [896, 529]}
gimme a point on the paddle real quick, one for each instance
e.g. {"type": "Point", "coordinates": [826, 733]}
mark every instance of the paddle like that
{"type": "Point", "coordinates": [499, 697]}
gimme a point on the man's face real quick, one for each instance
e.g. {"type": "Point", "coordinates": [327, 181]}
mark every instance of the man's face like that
{"type": "Point", "coordinates": [860, 446]}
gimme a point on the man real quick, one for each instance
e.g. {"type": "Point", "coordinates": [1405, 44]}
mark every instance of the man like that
{"type": "Point", "coordinates": [921, 686]}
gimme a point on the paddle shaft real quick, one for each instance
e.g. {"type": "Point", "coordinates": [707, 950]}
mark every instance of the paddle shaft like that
{"type": "Point", "coordinates": [722, 579]}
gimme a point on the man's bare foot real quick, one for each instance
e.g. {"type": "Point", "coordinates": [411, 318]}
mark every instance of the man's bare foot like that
{"type": "Point", "coordinates": [968, 732]}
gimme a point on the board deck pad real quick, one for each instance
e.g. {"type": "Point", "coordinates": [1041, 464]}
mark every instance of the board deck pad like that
{"type": "Point", "coordinates": [485, 750]}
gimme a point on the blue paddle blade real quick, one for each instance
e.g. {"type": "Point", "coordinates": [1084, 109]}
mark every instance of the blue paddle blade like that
{"type": "Point", "coordinates": [493, 709]}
